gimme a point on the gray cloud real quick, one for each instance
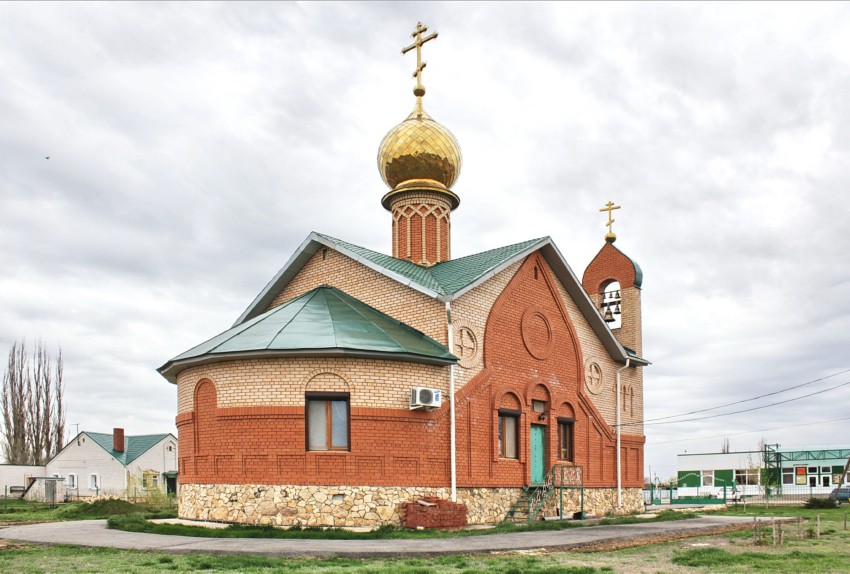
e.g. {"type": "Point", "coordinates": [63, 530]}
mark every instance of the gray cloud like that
{"type": "Point", "coordinates": [194, 146]}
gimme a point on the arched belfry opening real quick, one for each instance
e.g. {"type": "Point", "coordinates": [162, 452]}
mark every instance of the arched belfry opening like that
{"type": "Point", "coordinates": [610, 305]}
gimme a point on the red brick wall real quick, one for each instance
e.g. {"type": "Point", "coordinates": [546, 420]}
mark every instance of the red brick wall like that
{"type": "Point", "coordinates": [609, 265]}
{"type": "Point", "coordinates": [530, 352]}
{"type": "Point", "coordinates": [421, 228]}
{"type": "Point", "coordinates": [441, 514]}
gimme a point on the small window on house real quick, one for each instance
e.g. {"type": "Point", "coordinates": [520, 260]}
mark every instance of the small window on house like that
{"type": "Point", "coordinates": [708, 478]}
{"type": "Point", "coordinates": [71, 480]}
{"type": "Point", "coordinates": [150, 479]}
{"type": "Point", "coordinates": [327, 422]}
{"type": "Point", "coordinates": [538, 406]}
{"type": "Point", "coordinates": [170, 448]}
{"type": "Point", "coordinates": [565, 439]}
{"type": "Point", "coordinates": [94, 482]}
{"type": "Point", "coordinates": [508, 434]}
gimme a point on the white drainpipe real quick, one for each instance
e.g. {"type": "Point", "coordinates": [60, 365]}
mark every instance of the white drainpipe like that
{"type": "Point", "coordinates": [619, 468]}
{"type": "Point", "coordinates": [453, 447]}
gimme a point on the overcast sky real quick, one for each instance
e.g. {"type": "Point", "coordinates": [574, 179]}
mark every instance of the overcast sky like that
{"type": "Point", "coordinates": [194, 146]}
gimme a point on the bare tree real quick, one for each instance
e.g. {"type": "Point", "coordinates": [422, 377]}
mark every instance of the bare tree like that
{"type": "Point", "coordinates": [725, 446]}
{"type": "Point", "coordinates": [32, 405]}
{"type": "Point", "coordinates": [16, 389]}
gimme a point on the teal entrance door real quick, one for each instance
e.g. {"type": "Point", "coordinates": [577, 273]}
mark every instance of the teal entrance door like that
{"type": "Point", "coordinates": [538, 450]}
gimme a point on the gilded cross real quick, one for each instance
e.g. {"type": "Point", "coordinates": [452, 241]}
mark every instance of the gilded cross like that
{"type": "Point", "coordinates": [419, 89]}
{"type": "Point", "coordinates": [609, 207]}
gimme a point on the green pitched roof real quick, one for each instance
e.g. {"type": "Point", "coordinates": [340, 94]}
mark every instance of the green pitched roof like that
{"type": "Point", "coordinates": [446, 277]}
{"type": "Point", "coordinates": [445, 281]}
{"type": "Point", "coordinates": [134, 446]}
{"type": "Point", "coordinates": [324, 321]}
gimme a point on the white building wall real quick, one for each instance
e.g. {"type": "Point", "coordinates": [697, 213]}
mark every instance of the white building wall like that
{"type": "Point", "coordinates": [158, 458]}
{"type": "Point", "coordinates": [719, 461]}
{"type": "Point", "coordinates": [18, 475]}
{"type": "Point", "coordinates": [38, 491]}
{"type": "Point", "coordinates": [84, 457]}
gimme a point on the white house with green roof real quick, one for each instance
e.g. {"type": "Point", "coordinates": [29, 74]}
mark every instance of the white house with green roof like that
{"type": "Point", "coordinates": [94, 464]}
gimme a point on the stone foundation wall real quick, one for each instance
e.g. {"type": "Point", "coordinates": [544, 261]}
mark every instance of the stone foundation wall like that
{"type": "Point", "coordinates": [287, 505]}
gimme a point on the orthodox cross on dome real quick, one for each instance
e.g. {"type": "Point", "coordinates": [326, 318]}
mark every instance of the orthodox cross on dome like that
{"type": "Point", "coordinates": [610, 237]}
{"type": "Point", "coordinates": [419, 89]}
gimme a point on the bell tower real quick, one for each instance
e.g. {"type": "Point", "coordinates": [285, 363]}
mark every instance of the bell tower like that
{"type": "Point", "coordinates": [613, 281]}
{"type": "Point", "coordinates": [420, 160]}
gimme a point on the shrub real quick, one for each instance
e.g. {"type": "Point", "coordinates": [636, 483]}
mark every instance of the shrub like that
{"type": "Point", "coordinates": [133, 522]}
{"type": "Point", "coordinates": [820, 503]}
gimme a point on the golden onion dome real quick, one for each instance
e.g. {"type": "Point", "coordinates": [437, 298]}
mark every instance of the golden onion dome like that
{"type": "Point", "coordinates": [419, 153]}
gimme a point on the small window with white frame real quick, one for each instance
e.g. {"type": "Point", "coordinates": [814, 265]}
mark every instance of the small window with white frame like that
{"type": "Point", "coordinates": [708, 478]}
{"type": "Point", "coordinates": [94, 482]}
{"type": "Point", "coordinates": [71, 480]}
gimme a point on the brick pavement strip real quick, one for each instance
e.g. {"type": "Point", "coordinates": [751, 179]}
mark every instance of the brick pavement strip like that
{"type": "Point", "coordinates": [94, 533]}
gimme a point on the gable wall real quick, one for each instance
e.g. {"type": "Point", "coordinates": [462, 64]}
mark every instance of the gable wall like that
{"type": "Point", "coordinates": [88, 458]}
{"type": "Point", "coordinates": [470, 311]}
{"type": "Point", "coordinates": [156, 458]}
{"type": "Point", "coordinates": [519, 367]}
{"type": "Point", "coordinates": [387, 295]}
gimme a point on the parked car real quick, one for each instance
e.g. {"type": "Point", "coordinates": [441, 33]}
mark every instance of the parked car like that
{"type": "Point", "coordinates": [840, 494]}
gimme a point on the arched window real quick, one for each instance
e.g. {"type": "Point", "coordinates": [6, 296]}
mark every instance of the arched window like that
{"type": "Point", "coordinates": [609, 305]}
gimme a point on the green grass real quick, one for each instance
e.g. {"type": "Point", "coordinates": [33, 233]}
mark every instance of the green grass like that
{"type": "Point", "coordinates": [137, 523]}
{"type": "Point", "coordinates": [38, 560]}
{"type": "Point", "coordinates": [25, 511]}
{"type": "Point", "coordinates": [730, 553]}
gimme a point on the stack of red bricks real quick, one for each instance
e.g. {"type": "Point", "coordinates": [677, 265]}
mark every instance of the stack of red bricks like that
{"type": "Point", "coordinates": [434, 513]}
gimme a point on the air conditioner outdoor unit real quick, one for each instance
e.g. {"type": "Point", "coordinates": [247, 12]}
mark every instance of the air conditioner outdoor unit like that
{"type": "Point", "coordinates": [421, 397]}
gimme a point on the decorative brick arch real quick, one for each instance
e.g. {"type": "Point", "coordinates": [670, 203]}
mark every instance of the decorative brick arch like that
{"type": "Point", "coordinates": [326, 380]}
{"type": "Point", "coordinates": [504, 394]}
{"type": "Point", "coordinates": [566, 410]}
{"type": "Point", "coordinates": [534, 389]}
{"type": "Point", "coordinates": [205, 405]}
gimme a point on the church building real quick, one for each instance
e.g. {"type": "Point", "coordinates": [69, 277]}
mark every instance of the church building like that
{"type": "Point", "coordinates": [357, 381]}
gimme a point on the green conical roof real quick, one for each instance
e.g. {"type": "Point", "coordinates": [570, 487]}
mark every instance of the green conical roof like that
{"type": "Point", "coordinates": [324, 321]}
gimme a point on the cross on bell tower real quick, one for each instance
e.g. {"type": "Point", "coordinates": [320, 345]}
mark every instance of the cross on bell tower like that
{"type": "Point", "coordinates": [610, 237]}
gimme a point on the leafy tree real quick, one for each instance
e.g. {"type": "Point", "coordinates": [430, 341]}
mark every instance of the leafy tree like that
{"type": "Point", "coordinates": [32, 404]}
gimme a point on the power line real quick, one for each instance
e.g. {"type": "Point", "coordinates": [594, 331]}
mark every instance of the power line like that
{"type": "Point", "coordinates": [747, 400]}
{"type": "Point", "coordinates": [740, 411]}
{"type": "Point", "coordinates": [753, 408]}
{"type": "Point", "coordinates": [748, 432]}
{"type": "Point", "coordinates": [649, 422]}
